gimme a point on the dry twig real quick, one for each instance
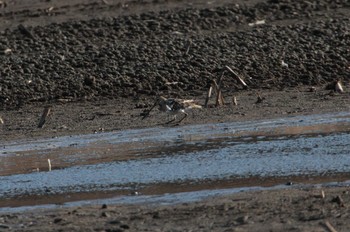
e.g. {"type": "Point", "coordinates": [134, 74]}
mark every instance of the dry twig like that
{"type": "Point", "coordinates": [42, 121]}
{"type": "Point", "coordinates": [26, 32]}
{"type": "Point", "coordinates": [234, 101]}
{"type": "Point", "coordinates": [210, 90]}
{"type": "Point", "coordinates": [219, 97]}
{"type": "Point", "coordinates": [49, 162]}
{"type": "Point", "coordinates": [260, 99]}
{"type": "Point", "coordinates": [188, 46]}
{"type": "Point", "coordinates": [238, 77]}
{"type": "Point", "coordinates": [330, 227]}
{"type": "Point", "coordinates": [338, 199]}
{"type": "Point", "coordinates": [3, 4]}
{"type": "Point", "coordinates": [339, 87]}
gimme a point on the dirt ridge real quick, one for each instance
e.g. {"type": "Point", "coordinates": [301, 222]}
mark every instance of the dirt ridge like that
{"type": "Point", "coordinates": [145, 54]}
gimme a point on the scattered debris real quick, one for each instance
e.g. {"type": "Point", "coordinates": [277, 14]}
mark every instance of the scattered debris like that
{"type": "Point", "coordinates": [330, 227]}
{"type": "Point", "coordinates": [25, 31]}
{"type": "Point", "coordinates": [177, 33]}
{"type": "Point", "coordinates": [188, 46]}
{"type": "Point", "coordinates": [4, 226]}
{"type": "Point", "coordinates": [217, 86]}
{"type": "Point", "coordinates": [35, 170]}
{"type": "Point", "coordinates": [58, 220]}
{"type": "Point", "coordinates": [243, 219]}
{"type": "Point", "coordinates": [125, 5]}
{"type": "Point", "coordinates": [62, 57]}
{"type": "Point", "coordinates": [210, 90]}
{"type": "Point", "coordinates": [101, 129]}
{"type": "Point", "coordinates": [284, 64]}
{"type": "Point", "coordinates": [135, 193]}
{"type": "Point", "coordinates": [64, 100]}
{"type": "Point", "coordinates": [49, 162]}
{"type": "Point", "coordinates": [322, 195]}
{"type": "Point", "coordinates": [172, 83]}
{"type": "Point", "coordinates": [234, 101]}
{"type": "Point", "coordinates": [7, 51]}
{"type": "Point", "coordinates": [245, 86]}
{"type": "Point", "coordinates": [219, 98]}
{"type": "Point", "coordinates": [105, 214]}
{"type": "Point", "coordinates": [46, 112]}
{"type": "Point", "coordinates": [336, 86]}
{"type": "Point", "coordinates": [257, 22]}
{"type": "Point", "coordinates": [338, 200]}
{"type": "Point", "coordinates": [339, 87]}
{"type": "Point", "coordinates": [260, 99]}
{"type": "Point", "coordinates": [50, 9]}
{"type": "Point", "coordinates": [3, 4]}
{"type": "Point", "coordinates": [312, 89]}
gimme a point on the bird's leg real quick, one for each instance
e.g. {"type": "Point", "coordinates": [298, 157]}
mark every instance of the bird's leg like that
{"type": "Point", "coordinates": [148, 112]}
{"type": "Point", "coordinates": [171, 119]}
{"type": "Point", "coordinates": [185, 115]}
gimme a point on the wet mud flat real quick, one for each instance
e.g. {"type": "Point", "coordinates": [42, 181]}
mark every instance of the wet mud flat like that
{"type": "Point", "coordinates": [151, 161]}
{"type": "Point", "coordinates": [286, 210]}
{"type": "Point", "coordinates": [93, 54]}
{"type": "Point", "coordinates": [226, 175]}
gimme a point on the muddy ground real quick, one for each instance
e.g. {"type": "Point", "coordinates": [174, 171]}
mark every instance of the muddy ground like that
{"type": "Point", "coordinates": [283, 210]}
{"type": "Point", "coordinates": [100, 64]}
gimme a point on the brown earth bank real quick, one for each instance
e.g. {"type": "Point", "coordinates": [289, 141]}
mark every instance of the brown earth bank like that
{"type": "Point", "coordinates": [174, 52]}
{"type": "Point", "coordinates": [309, 209]}
{"type": "Point", "coordinates": [100, 64]}
{"type": "Point", "coordinates": [84, 117]}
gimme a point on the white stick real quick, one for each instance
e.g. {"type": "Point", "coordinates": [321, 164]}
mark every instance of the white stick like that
{"type": "Point", "coordinates": [237, 76]}
{"type": "Point", "coordinates": [49, 161]}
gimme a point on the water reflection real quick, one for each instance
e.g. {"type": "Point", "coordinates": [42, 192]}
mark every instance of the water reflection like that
{"type": "Point", "coordinates": [119, 161]}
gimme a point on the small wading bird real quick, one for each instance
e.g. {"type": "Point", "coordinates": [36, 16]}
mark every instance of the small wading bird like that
{"type": "Point", "coordinates": [173, 107]}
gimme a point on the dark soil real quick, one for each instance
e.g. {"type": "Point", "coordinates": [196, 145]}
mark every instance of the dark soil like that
{"type": "Point", "coordinates": [100, 64]}
{"type": "Point", "coordinates": [282, 210]}
{"type": "Point", "coordinates": [172, 52]}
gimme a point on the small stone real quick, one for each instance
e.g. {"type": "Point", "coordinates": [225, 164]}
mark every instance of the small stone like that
{"type": "Point", "coordinates": [104, 206]}
{"type": "Point", "coordinates": [90, 81]}
{"type": "Point", "coordinates": [338, 200]}
{"type": "Point", "coordinates": [57, 220]}
{"type": "Point", "coordinates": [156, 215]}
{"type": "Point", "coordinates": [114, 230]}
{"type": "Point", "coordinates": [243, 219]}
{"type": "Point", "coordinates": [3, 226]}
{"type": "Point", "coordinates": [312, 89]}
{"type": "Point", "coordinates": [124, 226]}
{"type": "Point", "coordinates": [7, 51]}
{"type": "Point", "coordinates": [115, 222]}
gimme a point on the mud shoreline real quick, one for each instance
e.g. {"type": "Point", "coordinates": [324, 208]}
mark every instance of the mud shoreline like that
{"type": "Point", "coordinates": [99, 65]}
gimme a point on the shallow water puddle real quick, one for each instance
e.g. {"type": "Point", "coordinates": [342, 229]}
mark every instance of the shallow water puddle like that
{"type": "Point", "coordinates": [119, 163]}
